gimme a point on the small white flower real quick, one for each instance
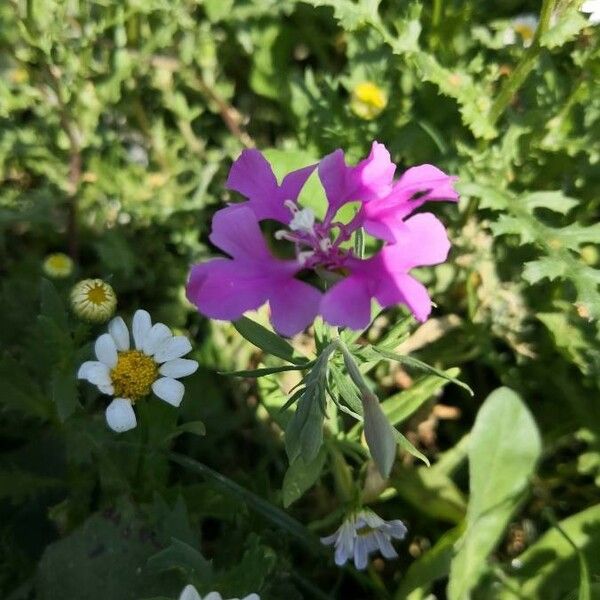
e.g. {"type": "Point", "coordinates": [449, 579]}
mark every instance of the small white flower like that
{"type": "Point", "coordinates": [523, 25]}
{"type": "Point", "coordinates": [191, 593]}
{"type": "Point", "coordinates": [93, 300]}
{"type": "Point", "coordinates": [362, 534]}
{"type": "Point", "coordinates": [592, 7]}
{"type": "Point", "coordinates": [57, 265]}
{"type": "Point", "coordinates": [129, 374]}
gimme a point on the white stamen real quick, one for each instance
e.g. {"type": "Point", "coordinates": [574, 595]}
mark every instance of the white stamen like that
{"type": "Point", "coordinates": [303, 220]}
{"type": "Point", "coordinates": [291, 206]}
{"type": "Point", "coordinates": [304, 256]}
{"type": "Point", "coordinates": [325, 244]}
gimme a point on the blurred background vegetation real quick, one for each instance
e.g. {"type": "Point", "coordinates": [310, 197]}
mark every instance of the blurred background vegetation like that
{"type": "Point", "coordinates": [118, 123]}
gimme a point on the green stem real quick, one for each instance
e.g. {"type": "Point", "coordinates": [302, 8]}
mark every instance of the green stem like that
{"type": "Point", "coordinates": [524, 67]}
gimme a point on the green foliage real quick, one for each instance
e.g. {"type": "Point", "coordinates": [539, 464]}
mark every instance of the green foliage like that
{"type": "Point", "coordinates": [503, 451]}
{"type": "Point", "coordinates": [118, 124]}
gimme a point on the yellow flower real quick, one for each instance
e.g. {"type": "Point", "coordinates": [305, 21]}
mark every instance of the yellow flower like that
{"type": "Point", "coordinates": [93, 300]}
{"type": "Point", "coordinates": [57, 265]}
{"type": "Point", "coordinates": [368, 100]}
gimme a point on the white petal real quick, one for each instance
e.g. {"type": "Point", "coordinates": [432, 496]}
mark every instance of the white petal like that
{"type": "Point", "coordinates": [106, 350]}
{"type": "Point", "coordinates": [178, 367]}
{"type": "Point", "coordinates": [251, 597]}
{"type": "Point", "coordinates": [94, 371]}
{"type": "Point", "coordinates": [169, 390]}
{"type": "Point", "coordinates": [107, 389]}
{"type": "Point", "coordinates": [361, 554]}
{"type": "Point", "coordinates": [174, 347]}
{"type": "Point", "coordinates": [190, 593]}
{"type": "Point", "coordinates": [385, 546]}
{"type": "Point", "coordinates": [120, 416]}
{"type": "Point", "coordinates": [119, 332]}
{"type": "Point", "coordinates": [213, 596]}
{"type": "Point", "coordinates": [141, 326]}
{"type": "Point", "coordinates": [589, 6]}
{"type": "Point", "coordinates": [158, 334]}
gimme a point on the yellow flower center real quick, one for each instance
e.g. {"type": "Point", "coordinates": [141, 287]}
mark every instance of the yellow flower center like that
{"type": "Point", "coordinates": [133, 375]}
{"type": "Point", "coordinates": [525, 31]}
{"type": "Point", "coordinates": [369, 93]}
{"type": "Point", "coordinates": [368, 100]}
{"type": "Point", "coordinates": [97, 294]}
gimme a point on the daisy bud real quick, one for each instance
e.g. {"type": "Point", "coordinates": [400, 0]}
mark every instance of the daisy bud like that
{"type": "Point", "coordinates": [368, 100]}
{"type": "Point", "coordinates": [93, 300]}
{"type": "Point", "coordinates": [57, 265]}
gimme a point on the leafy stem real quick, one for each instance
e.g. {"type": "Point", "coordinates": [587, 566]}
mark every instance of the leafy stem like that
{"type": "Point", "coordinates": [527, 63]}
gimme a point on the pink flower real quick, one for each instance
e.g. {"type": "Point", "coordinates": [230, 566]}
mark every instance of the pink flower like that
{"type": "Point", "coordinates": [341, 285]}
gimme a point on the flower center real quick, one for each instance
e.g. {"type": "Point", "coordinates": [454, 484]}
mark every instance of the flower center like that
{"type": "Point", "coordinates": [97, 294]}
{"type": "Point", "coordinates": [133, 375]}
{"type": "Point", "coordinates": [313, 240]}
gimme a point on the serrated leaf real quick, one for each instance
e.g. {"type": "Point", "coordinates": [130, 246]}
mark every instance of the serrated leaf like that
{"type": "Point", "coordinates": [555, 201]}
{"type": "Point", "coordinates": [474, 102]}
{"type": "Point", "coordinates": [567, 26]}
{"type": "Point", "coordinates": [546, 267]}
{"type": "Point", "coordinates": [351, 15]}
{"type": "Point", "coordinates": [300, 476]}
{"type": "Point", "coordinates": [180, 555]}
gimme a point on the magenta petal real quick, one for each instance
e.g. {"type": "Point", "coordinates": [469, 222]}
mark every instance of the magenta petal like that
{"type": "Point", "coordinates": [332, 173]}
{"type": "Point", "coordinates": [370, 178]}
{"type": "Point", "coordinates": [251, 175]}
{"type": "Point", "coordinates": [235, 230]}
{"type": "Point", "coordinates": [348, 303]}
{"type": "Point", "coordinates": [373, 175]}
{"type": "Point", "coordinates": [428, 177]}
{"type": "Point", "coordinates": [223, 289]}
{"type": "Point", "coordinates": [420, 240]}
{"type": "Point", "coordinates": [294, 305]}
{"type": "Point", "coordinates": [402, 288]}
{"type": "Point", "coordinates": [293, 183]}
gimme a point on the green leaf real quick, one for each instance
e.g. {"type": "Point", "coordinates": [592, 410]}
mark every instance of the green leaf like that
{"type": "Point", "coordinates": [20, 393]}
{"type": "Point", "coordinates": [410, 361]}
{"type": "Point", "coordinates": [473, 101]}
{"type": "Point", "coordinates": [275, 515]}
{"type": "Point", "coordinates": [568, 24]}
{"type": "Point", "coordinates": [351, 15]}
{"type": "Point", "coordinates": [106, 556]}
{"type": "Point", "coordinates": [406, 445]}
{"type": "Point", "coordinates": [267, 370]}
{"type": "Point", "coordinates": [551, 567]}
{"type": "Point", "coordinates": [180, 555]}
{"type": "Point", "coordinates": [504, 449]}
{"type": "Point", "coordinates": [64, 392]}
{"type": "Point", "coordinates": [402, 405]}
{"type": "Point", "coordinates": [52, 306]}
{"type": "Point", "coordinates": [431, 492]}
{"type": "Point", "coordinates": [380, 435]}
{"type": "Point", "coordinates": [555, 201]}
{"type": "Point", "coordinates": [347, 390]}
{"type": "Point", "coordinates": [300, 476]}
{"type": "Point", "coordinates": [267, 340]}
{"type": "Point", "coordinates": [195, 427]}
{"type": "Point", "coordinates": [431, 566]}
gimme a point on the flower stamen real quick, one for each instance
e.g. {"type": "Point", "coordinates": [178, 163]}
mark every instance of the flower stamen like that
{"type": "Point", "coordinates": [133, 375]}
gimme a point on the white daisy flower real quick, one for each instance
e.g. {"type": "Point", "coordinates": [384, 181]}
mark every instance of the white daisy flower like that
{"type": "Point", "coordinates": [592, 7]}
{"type": "Point", "coordinates": [57, 265]}
{"type": "Point", "coordinates": [191, 593]}
{"type": "Point", "coordinates": [93, 300]}
{"type": "Point", "coordinates": [155, 364]}
{"type": "Point", "coordinates": [362, 534]}
{"type": "Point", "coordinates": [523, 25]}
